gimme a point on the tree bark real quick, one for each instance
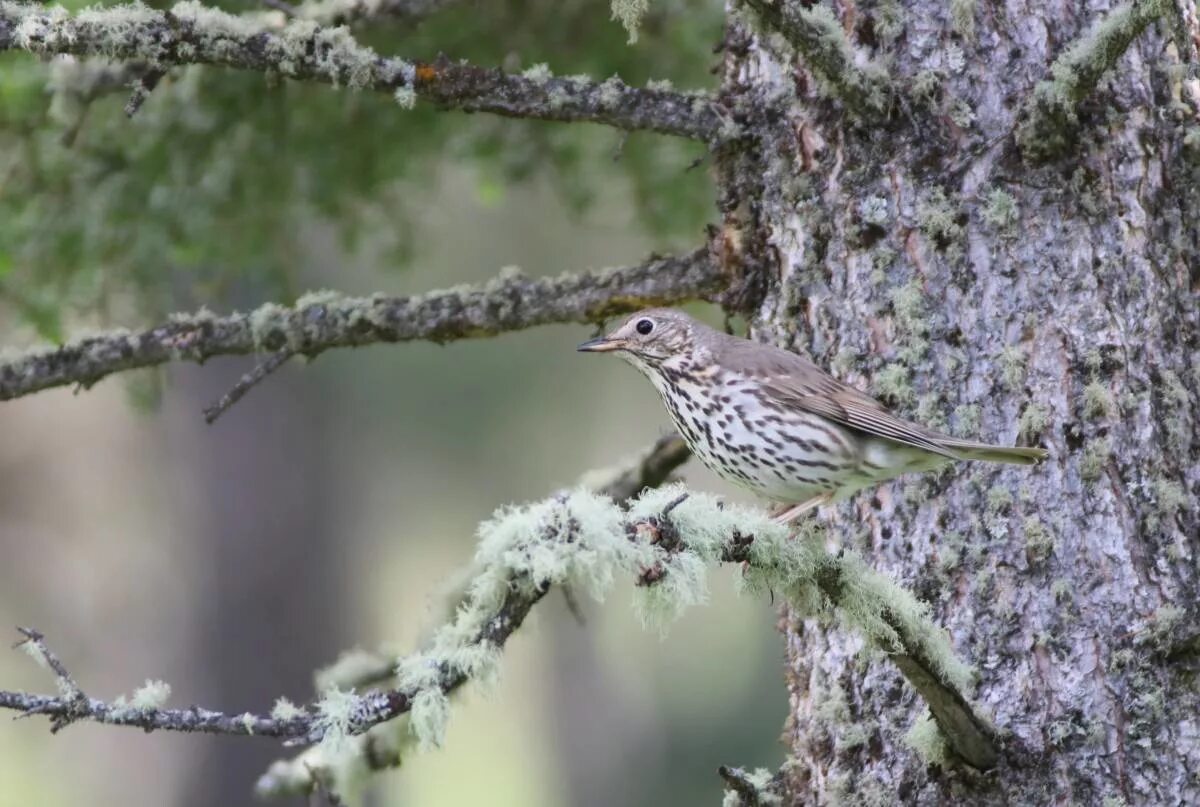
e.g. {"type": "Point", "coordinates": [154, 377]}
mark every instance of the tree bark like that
{"type": "Point", "coordinates": [979, 283]}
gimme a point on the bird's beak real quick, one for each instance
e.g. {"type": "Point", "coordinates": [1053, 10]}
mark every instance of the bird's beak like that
{"type": "Point", "coordinates": [602, 344]}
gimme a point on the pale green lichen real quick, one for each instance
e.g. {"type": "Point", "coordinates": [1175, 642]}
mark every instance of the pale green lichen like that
{"type": "Point", "coordinates": [405, 97]}
{"type": "Point", "coordinates": [927, 740]}
{"type": "Point", "coordinates": [611, 90]}
{"type": "Point", "coordinates": [963, 115]}
{"type": "Point", "coordinates": [1033, 421]}
{"type": "Point", "coordinates": [893, 382]}
{"type": "Point", "coordinates": [660, 85]}
{"type": "Point", "coordinates": [539, 73]}
{"type": "Point", "coordinates": [584, 540]}
{"type": "Point", "coordinates": [1012, 366]}
{"type": "Point", "coordinates": [34, 651]}
{"type": "Point", "coordinates": [149, 696]}
{"type": "Point", "coordinates": [630, 14]}
{"type": "Point", "coordinates": [1094, 459]}
{"type": "Point", "coordinates": [153, 694]}
{"type": "Point", "coordinates": [1168, 497]}
{"type": "Point", "coordinates": [908, 303]}
{"type": "Point", "coordinates": [284, 710]}
{"type": "Point", "coordinates": [1001, 210]}
{"type": "Point", "coordinates": [967, 419]}
{"type": "Point", "coordinates": [1039, 541]}
{"type": "Point", "coordinates": [962, 18]}
{"type": "Point", "coordinates": [1176, 404]}
{"type": "Point", "coordinates": [874, 210]}
{"type": "Point", "coordinates": [889, 20]}
{"type": "Point", "coordinates": [999, 499]}
{"type": "Point", "coordinates": [929, 411]}
{"type": "Point", "coordinates": [925, 85]}
{"type": "Point", "coordinates": [818, 32]}
{"type": "Point", "coordinates": [430, 714]}
{"type": "Point", "coordinates": [939, 219]}
{"type": "Point", "coordinates": [1097, 400]}
{"type": "Point", "coordinates": [335, 715]}
{"type": "Point", "coordinates": [874, 604]}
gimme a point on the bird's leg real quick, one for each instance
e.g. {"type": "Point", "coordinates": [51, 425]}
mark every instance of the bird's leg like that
{"type": "Point", "coordinates": [789, 515]}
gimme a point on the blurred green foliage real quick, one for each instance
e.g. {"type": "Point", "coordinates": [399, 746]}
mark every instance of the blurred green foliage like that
{"type": "Point", "coordinates": [204, 190]}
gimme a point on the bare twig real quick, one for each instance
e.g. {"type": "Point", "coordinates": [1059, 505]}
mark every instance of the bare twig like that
{"type": "Point", "coordinates": [323, 321]}
{"type": "Point", "coordinates": [239, 390]}
{"type": "Point", "coordinates": [143, 85]}
{"type": "Point", "coordinates": [193, 34]}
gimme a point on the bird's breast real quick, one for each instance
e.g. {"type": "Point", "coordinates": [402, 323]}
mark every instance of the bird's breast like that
{"type": "Point", "coordinates": [782, 454]}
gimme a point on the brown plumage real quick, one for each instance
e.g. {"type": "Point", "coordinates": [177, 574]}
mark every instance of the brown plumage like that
{"type": "Point", "coordinates": [774, 422]}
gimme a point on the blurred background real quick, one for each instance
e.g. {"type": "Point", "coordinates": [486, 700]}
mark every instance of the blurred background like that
{"type": "Point", "coordinates": [329, 508]}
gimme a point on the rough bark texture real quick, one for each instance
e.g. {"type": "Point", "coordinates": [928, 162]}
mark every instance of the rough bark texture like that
{"type": "Point", "coordinates": [930, 259]}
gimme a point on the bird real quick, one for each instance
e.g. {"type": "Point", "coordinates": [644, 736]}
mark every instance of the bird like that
{"type": "Point", "coordinates": [775, 423]}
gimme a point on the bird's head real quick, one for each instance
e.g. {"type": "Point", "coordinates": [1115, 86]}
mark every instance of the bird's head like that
{"type": "Point", "coordinates": [649, 338]}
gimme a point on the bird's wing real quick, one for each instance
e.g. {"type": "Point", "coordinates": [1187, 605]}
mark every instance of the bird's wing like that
{"type": "Point", "coordinates": [795, 382]}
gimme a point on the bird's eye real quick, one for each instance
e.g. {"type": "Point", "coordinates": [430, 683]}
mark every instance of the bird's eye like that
{"type": "Point", "coordinates": [644, 326]}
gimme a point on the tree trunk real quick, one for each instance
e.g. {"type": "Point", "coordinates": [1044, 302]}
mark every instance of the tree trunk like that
{"type": "Point", "coordinates": [926, 258]}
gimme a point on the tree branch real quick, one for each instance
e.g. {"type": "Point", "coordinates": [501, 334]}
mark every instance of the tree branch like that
{"type": "Point", "coordinates": [191, 33]}
{"type": "Point", "coordinates": [665, 538]}
{"type": "Point", "coordinates": [245, 383]}
{"type": "Point", "coordinates": [654, 467]}
{"type": "Point", "coordinates": [318, 322]}
{"type": "Point", "coordinates": [819, 37]}
{"type": "Point", "coordinates": [1050, 116]}
{"type": "Point", "coordinates": [920, 661]}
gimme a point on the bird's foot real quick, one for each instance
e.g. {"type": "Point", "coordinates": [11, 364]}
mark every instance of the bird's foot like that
{"type": "Point", "coordinates": [790, 514]}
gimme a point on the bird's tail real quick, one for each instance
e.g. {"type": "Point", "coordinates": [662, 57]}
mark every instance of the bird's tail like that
{"type": "Point", "coordinates": [988, 453]}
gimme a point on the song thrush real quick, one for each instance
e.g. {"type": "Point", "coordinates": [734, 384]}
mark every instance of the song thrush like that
{"type": "Point", "coordinates": [775, 423]}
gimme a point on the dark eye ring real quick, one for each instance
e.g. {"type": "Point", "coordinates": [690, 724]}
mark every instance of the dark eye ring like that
{"type": "Point", "coordinates": [644, 326]}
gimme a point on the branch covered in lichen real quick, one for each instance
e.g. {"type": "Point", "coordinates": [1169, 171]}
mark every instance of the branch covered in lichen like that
{"type": "Point", "coordinates": [191, 33]}
{"type": "Point", "coordinates": [666, 539]}
{"type": "Point", "coordinates": [381, 747]}
{"type": "Point", "coordinates": [816, 33]}
{"type": "Point", "coordinates": [321, 321]}
{"type": "Point", "coordinates": [653, 467]}
{"type": "Point", "coordinates": [1050, 116]}
{"type": "Point", "coordinates": [885, 614]}
{"type": "Point", "coordinates": [899, 626]}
